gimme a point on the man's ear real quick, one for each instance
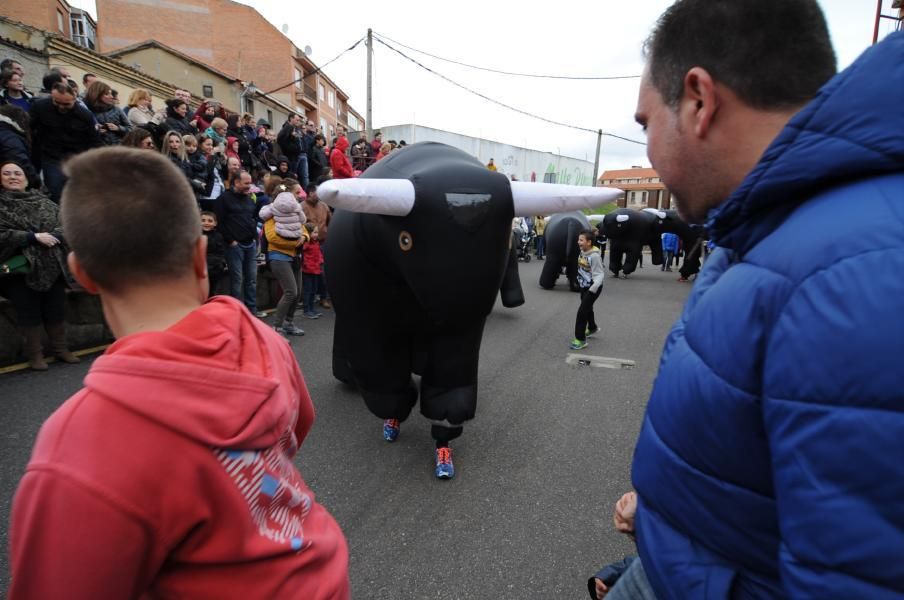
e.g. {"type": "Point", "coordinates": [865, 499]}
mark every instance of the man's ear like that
{"type": "Point", "coordinates": [199, 257]}
{"type": "Point", "coordinates": [701, 100]}
{"type": "Point", "coordinates": [75, 267]}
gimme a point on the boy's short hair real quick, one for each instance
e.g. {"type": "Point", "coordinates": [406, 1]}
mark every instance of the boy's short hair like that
{"type": "Point", "coordinates": [209, 213]}
{"type": "Point", "coordinates": [129, 216]}
{"type": "Point", "coordinates": [588, 235]}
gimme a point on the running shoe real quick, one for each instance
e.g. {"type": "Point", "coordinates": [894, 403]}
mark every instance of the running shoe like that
{"type": "Point", "coordinates": [577, 344]}
{"type": "Point", "coordinates": [592, 331]}
{"type": "Point", "coordinates": [444, 467]}
{"type": "Point", "coordinates": [292, 329]}
{"type": "Point", "coordinates": [391, 429]}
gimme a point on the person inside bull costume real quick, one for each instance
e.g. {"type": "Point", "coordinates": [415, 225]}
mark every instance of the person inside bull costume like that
{"type": "Point", "coordinates": [419, 248]}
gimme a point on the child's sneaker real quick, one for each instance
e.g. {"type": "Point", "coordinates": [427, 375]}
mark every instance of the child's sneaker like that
{"type": "Point", "coordinates": [311, 315]}
{"type": "Point", "coordinates": [291, 329]}
{"type": "Point", "coordinates": [444, 467]}
{"type": "Point", "coordinates": [592, 331]}
{"type": "Point", "coordinates": [391, 429]}
{"type": "Point", "coordinates": [577, 344]}
{"type": "Point", "coordinates": [281, 331]}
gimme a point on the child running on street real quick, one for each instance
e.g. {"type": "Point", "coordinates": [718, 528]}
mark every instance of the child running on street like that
{"type": "Point", "coordinates": [590, 280]}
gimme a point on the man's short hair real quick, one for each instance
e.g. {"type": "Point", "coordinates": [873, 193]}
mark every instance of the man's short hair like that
{"type": "Point", "coordinates": [774, 54]}
{"type": "Point", "coordinates": [86, 76]}
{"type": "Point", "coordinates": [63, 88]}
{"type": "Point", "coordinates": [238, 175]}
{"type": "Point", "coordinates": [52, 77]}
{"type": "Point", "coordinates": [130, 216]}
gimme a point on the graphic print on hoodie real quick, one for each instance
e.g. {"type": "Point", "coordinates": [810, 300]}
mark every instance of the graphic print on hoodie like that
{"type": "Point", "coordinates": [170, 475]}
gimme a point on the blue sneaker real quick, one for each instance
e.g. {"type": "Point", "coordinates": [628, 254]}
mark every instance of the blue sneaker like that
{"type": "Point", "coordinates": [577, 344]}
{"type": "Point", "coordinates": [391, 429]}
{"type": "Point", "coordinates": [444, 467]}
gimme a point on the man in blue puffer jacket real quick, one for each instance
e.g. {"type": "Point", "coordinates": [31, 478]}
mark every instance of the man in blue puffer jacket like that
{"type": "Point", "coordinates": [770, 463]}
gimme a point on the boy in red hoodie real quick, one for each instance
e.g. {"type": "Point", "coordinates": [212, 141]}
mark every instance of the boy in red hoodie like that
{"type": "Point", "coordinates": [170, 474]}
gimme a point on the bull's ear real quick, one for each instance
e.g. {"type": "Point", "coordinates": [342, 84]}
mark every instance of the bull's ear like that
{"type": "Point", "coordinates": [549, 198]}
{"type": "Point", "coordinates": [392, 197]}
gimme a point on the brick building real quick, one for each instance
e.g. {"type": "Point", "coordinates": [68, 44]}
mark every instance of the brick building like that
{"type": "Point", "coordinates": [230, 38]}
{"type": "Point", "coordinates": [643, 188]}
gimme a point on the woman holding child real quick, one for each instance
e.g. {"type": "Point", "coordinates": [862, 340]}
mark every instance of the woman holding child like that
{"type": "Point", "coordinates": [284, 229]}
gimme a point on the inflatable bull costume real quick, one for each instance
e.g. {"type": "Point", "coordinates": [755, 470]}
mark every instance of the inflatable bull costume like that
{"type": "Point", "coordinates": [418, 249]}
{"type": "Point", "coordinates": [629, 230]}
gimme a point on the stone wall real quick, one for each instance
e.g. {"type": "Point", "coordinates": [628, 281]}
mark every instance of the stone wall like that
{"type": "Point", "coordinates": [85, 325]}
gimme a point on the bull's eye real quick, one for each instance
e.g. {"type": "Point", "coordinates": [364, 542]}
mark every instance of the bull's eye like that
{"type": "Point", "coordinates": [405, 241]}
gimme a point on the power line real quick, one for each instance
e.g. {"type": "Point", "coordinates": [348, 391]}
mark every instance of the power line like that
{"type": "Point", "coordinates": [318, 69]}
{"type": "Point", "coordinates": [502, 104]}
{"type": "Point", "coordinates": [455, 62]}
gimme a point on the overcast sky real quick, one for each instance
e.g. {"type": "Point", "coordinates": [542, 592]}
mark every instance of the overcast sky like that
{"type": "Point", "coordinates": [578, 38]}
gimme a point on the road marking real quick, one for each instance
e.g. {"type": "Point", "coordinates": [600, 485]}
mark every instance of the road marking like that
{"type": "Point", "coordinates": [586, 360]}
{"type": "Point", "coordinates": [50, 359]}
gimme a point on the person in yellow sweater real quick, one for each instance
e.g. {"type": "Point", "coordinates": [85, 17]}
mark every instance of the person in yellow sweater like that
{"type": "Point", "coordinates": [285, 233]}
{"type": "Point", "coordinates": [540, 228]}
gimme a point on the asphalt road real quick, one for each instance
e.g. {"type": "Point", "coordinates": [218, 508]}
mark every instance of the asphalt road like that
{"type": "Point", "coordinates": [528, 514]}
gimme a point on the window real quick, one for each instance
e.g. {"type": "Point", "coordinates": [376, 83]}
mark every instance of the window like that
{"type": "Point", "coordinates": [60, 21]}
{"type": "Point", "coordinates": [249, 105]}
{"type": "Point", "coordinates": [322, 91]}
{"type": "Point", "coordinates": [331, 99]}
{"type": "Point", "coordinates": [270, 117]}
{"type": "Point", "coordinates": [353, 122]}
{"type": "Point", "coordinates": [323, 127]}
{"type": "Point", "coordinates": [207, 91]}
{"type": "Point", "coordinates": [298, 77]}
{"type": "Point", "coordinates": [332, 132]}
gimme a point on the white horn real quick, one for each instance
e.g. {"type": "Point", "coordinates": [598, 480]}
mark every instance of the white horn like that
{"type": "Point", "coordinates": [655, 211]}
{"type": "Point", "coordinates": [392, 197]}
{"type": "Point", "coordinates": [549, 198]}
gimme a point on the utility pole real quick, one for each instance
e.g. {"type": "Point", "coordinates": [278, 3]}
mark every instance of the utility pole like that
{"type": "Point", "coordinates": [370, 61]}
{"type": "Point", "coordinates": [596, 161]}
{"type": "Point", "coordinates": [878, 18]}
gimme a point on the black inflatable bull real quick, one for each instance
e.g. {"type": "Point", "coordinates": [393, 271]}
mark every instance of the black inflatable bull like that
{"type": "Point", "coordinates": [629, 230]}
{"type": "Point", "coordinates": [562, 248]}
{"type": "Point", "coordinates": [418, 249]}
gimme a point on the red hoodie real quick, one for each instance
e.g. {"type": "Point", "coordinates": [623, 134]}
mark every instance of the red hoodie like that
{"type": "Point", "coordinates": [342, 168]}
{"type": "Point", "coordinates": [170, 475]}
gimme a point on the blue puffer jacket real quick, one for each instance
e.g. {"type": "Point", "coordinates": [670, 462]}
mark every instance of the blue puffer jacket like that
{"type": "Point", "coordinates": [770, 463]}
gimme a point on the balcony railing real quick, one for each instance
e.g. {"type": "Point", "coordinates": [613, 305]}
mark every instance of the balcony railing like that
{"type": "Point", "coordinates": [307, 93]}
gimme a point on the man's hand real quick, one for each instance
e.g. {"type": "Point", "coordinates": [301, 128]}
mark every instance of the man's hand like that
{"type": "Point", "coordinates": [625, 509]}
{"type": "Point", "coordinates": [47, 239]}
{"type": "Point", "coordinates": [234, 243]}
{"type": "Point", "coordinates": [112, 127]}
{"type": "Point", "coordinates": [601, 589]}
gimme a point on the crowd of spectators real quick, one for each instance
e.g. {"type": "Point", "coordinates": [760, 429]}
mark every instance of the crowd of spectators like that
{"type": "Point", "coordinates": [235, 165]}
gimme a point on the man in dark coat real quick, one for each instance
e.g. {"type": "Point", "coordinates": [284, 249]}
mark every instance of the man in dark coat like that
{"type": "Point", "coordinates": [61, 127]}
{"type": "Point", "coordinates": [237, 221]}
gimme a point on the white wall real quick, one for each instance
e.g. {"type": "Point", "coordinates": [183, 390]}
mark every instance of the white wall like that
{"type": "Point", "coordinates": [511, 160]}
